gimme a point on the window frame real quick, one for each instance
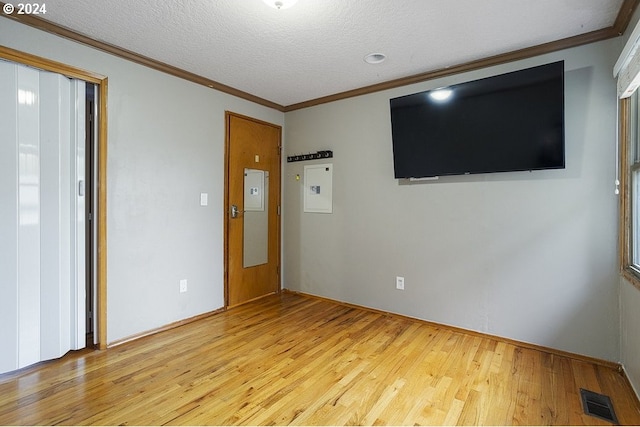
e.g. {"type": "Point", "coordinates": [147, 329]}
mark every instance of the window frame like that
{"type": "Point", "coordinates": [627, 110]}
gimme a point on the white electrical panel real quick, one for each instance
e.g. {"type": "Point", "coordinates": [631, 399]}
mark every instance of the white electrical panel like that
{"type": "Point", "coordinates": [318, 188]}
{"type": "Point", "coordinates": [254, 190]}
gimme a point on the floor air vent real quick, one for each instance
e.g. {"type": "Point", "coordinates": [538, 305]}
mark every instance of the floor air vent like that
{"type": "Point", "coordinates": [598, 405]}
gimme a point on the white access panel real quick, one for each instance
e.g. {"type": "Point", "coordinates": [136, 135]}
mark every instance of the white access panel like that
{"type": "Point", "coordinates": [318, 188]}
{"type": "Point", "coordinates": [254, 190]}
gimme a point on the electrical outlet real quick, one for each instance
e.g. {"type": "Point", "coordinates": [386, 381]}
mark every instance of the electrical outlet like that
{"type": "Point", "coordinates": [183, 285]}
{"type": "Point", "coordinates": [400, 283]}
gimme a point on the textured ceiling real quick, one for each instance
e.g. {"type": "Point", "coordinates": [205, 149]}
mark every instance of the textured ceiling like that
{"type": "Point", "coordinates": [316, 48]}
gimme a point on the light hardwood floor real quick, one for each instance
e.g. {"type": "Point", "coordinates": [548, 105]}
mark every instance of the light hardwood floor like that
{"type": "Point", "coordinates": [291, 359]}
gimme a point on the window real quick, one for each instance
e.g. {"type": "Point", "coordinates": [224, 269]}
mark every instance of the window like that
{"type": "Point", "coordinates": [630, 197]}
{"type": "Point", "coordinates": [634, 180]}
{"type": "Point", "coordinates": [626, 71]}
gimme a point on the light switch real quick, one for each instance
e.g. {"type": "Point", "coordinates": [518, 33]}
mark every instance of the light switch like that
{"type": "Point", "coordinates": [204, 199]}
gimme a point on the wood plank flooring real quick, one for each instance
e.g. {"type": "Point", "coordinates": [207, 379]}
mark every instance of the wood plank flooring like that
{"type": "Point", "coordinates": [293, 360]}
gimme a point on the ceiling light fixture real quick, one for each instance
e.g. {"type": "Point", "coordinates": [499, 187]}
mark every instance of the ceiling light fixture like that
{"type": "Point", "coordinates": [375, 58]}
{"type": "Point", "coordinates": [280, 4]}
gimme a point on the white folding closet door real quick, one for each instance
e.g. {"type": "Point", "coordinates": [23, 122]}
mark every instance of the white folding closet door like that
{"type": "Point", "coordinates": [28, 147]}
{"type": "Point", "coordinates": [78, 203]}
{"type": "Point", "coordinates": [8, 218]}
{"type": "Point", "coordinates": [42, 254]}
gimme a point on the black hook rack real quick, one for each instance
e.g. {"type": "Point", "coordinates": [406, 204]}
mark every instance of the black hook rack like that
{"type": "Point", "coordinates": [325, 154]}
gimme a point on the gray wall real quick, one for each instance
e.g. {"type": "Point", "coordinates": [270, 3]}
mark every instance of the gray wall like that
{"type": "Point", "coordinates": [166, 146]}
{"type": "Point", "coordinates": [525, 255]}
{"type": "Point", "coordinates": [630, 329]}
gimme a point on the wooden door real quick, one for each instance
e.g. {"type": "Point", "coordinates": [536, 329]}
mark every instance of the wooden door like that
{"type": "Point", "coordinates": [252, 189]}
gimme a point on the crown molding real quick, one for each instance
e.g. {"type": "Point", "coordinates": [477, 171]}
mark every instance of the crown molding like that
{"type": "Point", "coordinates": [624, 16]}
{"type": "Point", "coordinates": [59, 30]}
{"type": "Point", "coordinates": [620, 25]}
{"type": "Point", "coordinates": [515, 55]}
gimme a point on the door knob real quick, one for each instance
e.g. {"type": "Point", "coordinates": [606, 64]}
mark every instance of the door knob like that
{"type": "Point", "coordinates": [234, 211]}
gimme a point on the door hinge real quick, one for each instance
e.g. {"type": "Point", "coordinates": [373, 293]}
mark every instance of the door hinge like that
{"type": "Point", "coordinates": [279, 150]}
{"type": "Point", "coordinates": [278, 270]}
{"type": "Point", "coordinates": [278, 210]}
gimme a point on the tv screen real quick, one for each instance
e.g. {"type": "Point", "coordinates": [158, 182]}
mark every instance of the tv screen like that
{"type": "Point", "coordinates": [509, 122]}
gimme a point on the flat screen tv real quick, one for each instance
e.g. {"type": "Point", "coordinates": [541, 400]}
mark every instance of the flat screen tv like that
{"type": "Point", "coordinates": [509, 122]}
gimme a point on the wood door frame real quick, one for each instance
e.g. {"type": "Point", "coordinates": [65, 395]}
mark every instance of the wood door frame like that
{"type": "Point", "coordinates": [101, 81]}
{"type": "Point", "coordinates": [227, 207]}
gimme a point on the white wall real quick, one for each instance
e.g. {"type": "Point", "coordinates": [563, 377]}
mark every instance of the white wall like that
{"type": "Point", "coordinates": [165, 147]}
{"type": "Point", "coordinates": [525, 255]}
